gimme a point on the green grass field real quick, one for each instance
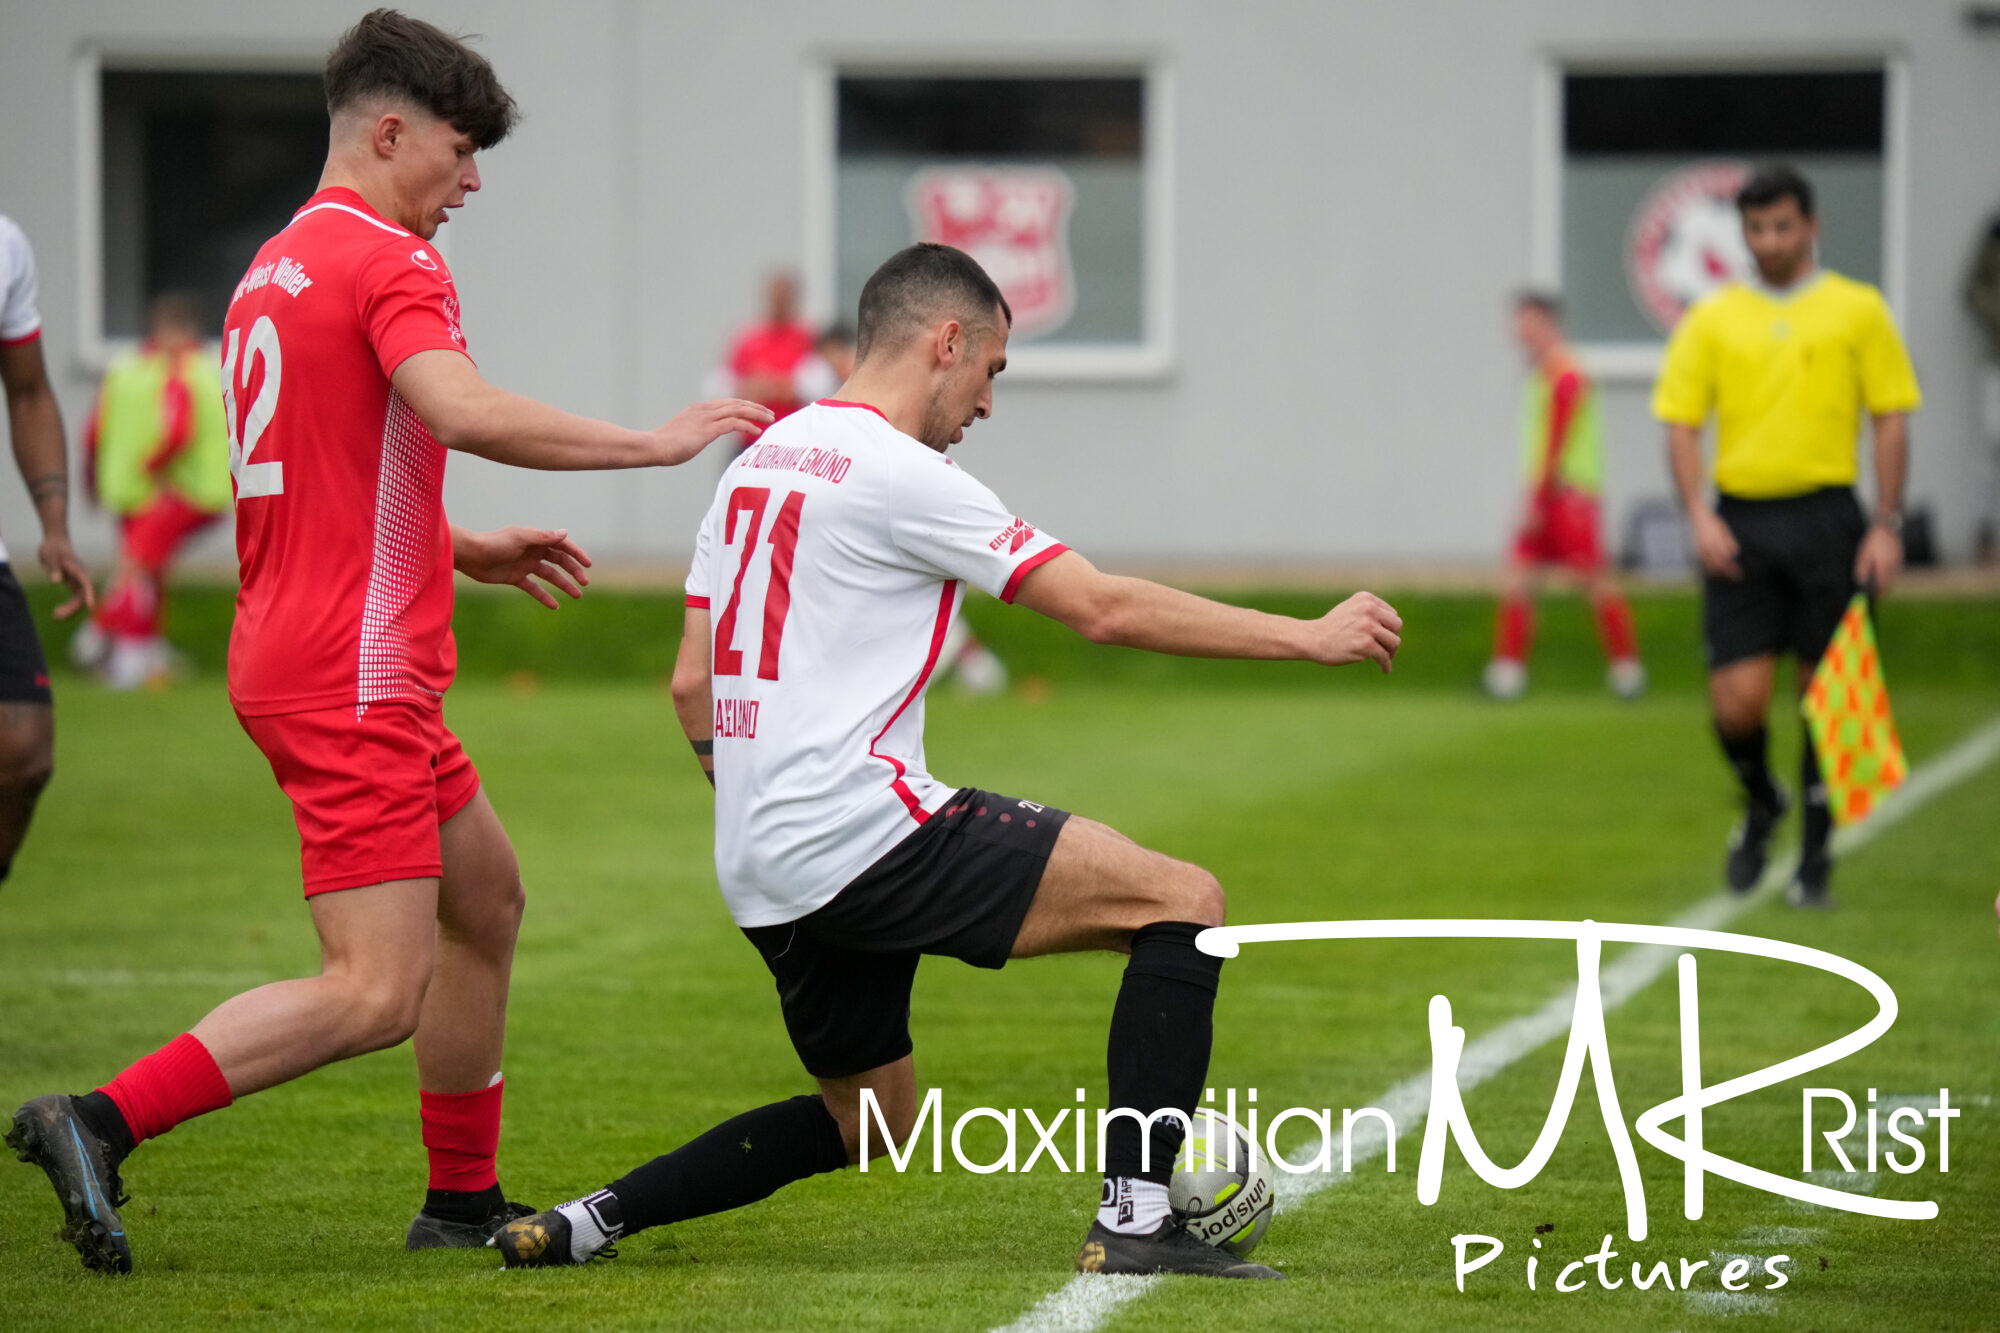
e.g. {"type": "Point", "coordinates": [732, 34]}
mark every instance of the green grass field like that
{"type": "Point", "coordinates": [161, 877]}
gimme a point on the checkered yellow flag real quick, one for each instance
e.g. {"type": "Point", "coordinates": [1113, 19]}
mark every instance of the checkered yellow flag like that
{"type": "Point", "coordinates": [1846, 709]}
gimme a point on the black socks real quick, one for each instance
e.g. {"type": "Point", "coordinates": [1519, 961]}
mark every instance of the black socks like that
{"type": "Point", "coordinates": [739, 1161]}
{"type": "Point", "coordinates": [101, 1114]}
{"type": "Point", "coordinates": [1746, 755]}
{"type": "Point", "coordinates": [1161, 1031]}
{"type": "Point", "coordinates": [1819, 815]}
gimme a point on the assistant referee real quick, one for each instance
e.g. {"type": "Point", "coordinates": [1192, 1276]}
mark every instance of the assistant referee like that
{"type": "Point", "coordinates": [1786, 362]}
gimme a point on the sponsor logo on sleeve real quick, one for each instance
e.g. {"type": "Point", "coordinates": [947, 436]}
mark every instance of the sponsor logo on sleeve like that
{"type": "Point", "coordinates": [1016, 535]}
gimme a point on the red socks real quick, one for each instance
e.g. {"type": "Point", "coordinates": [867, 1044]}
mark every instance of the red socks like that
{"type": "Point", "coordinates": [1614, 628]}
{"type": "Point", "coordinates": [1514, 630]}
{"type": "Point", "coordinates": [177, 1082]}
{"type": "Point", "coordinates": [462, 1134]}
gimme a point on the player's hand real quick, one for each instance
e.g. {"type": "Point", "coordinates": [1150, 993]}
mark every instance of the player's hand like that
{"type": "Point", "coordinates": [1715, 545]}
{"type": "Point", "coordinates": [59, 560]}
{"type": "Point", "coordinates": [1364, 628]}
{"type": "Point", "coordinates": [1880, 558]}
{"type": "Point", "coordinates": [699, 426]}
{"type": "Point", "coordinates": [519, 556]}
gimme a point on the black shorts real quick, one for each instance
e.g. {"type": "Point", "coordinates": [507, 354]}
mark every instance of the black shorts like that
{"type": "Point", "coordinates": [1797, 556]}
{"type": "Point", "coordinates": [959, 886]}
{"type": "Point", "coordinates": [24, 672]}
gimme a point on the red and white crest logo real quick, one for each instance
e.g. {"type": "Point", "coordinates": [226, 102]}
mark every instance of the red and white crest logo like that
{"type": "Point", "coordinates": [1015, 222]}
{"type": "Point", "coordinates": [1686, 240]}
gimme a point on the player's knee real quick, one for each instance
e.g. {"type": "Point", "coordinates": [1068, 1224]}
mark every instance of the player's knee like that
{"type": "Point", "coordinates": [1200, 898]}
{"type": "Point", "coordinates": [384, 1014]}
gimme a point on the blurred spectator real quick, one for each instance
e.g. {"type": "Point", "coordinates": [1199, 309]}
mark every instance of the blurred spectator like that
{"type": "Point", "coordinates": [832, 361]}
{"type": "Point", "coordinates": [159, 462]}
{"type": "Point", "coordinates": [765, 359]}
{"type": "Point", "coordinates": [1562, 460]}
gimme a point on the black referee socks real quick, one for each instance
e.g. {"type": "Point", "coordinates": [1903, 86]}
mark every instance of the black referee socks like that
{"type": "Point", "coordinates": [1161, 1031]}
{"type": "Point", "coordinates": [739, 1161]}
{"type": "Point", "coordinates": [1746, 755]}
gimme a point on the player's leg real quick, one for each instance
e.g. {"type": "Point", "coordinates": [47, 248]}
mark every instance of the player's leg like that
{"type": "Point", "coordinates": [1101, 890]}
{"type": "Point", "coordinates": [462, 1029]}
{"type": "Point", "coordinates": [375, 955]}
{"type": "Point", "coordinates": [27, 719]}
{"type": "Point", "coordinates": [1743, 622]}
{"type": "Point", "coordinates": [1616, 633]}
{"type": "Point", "coordinates": [1830, 530]}
{"type": "Point", "coordinates": [1506, 674]}
{"type": "Point", "coordinates": [848, 1014]}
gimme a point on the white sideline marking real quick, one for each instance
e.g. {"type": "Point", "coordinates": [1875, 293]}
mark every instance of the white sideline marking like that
{"type": "Point", "coordinates": [1726, 1303]}
{"type": "Point", "coordinates": [1779, 1237]}
{"type": "Point", "coordinates": [1087, 1300]}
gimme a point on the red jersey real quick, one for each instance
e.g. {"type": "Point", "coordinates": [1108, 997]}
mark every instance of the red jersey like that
{"type": "Point", "coordinates": [340, 528]}
{"type": "Point", "coordinates": [771, 352]}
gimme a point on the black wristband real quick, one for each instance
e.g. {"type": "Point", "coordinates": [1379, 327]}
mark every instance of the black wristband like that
{"type": "Point", "coordinates": [703, 748]}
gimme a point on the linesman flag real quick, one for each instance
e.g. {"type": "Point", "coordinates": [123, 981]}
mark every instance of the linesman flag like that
{"type": "Point", "coordinates": [1846, 709]}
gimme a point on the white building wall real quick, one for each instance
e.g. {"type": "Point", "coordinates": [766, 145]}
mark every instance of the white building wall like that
{"type": "Point", "coordinates": [1352, 207]}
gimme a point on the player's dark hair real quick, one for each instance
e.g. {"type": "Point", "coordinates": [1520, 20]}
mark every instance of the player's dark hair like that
{"type": "Point", "coordinates": [390, 54]}
{"type": "Point", "coordinates": [1774, 181]}
{"type": "Point", "coordinates": [1535, 298]}
{"type": "Point", "coordinates": [920, 285]}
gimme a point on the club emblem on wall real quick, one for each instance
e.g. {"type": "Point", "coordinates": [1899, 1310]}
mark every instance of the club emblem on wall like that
{"type": "Point", "coordinates": [1686, 239]}
{"type": "Point", "coordinates": [1015, 222]}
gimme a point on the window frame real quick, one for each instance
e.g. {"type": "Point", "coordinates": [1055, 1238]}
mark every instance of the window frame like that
{"type": "Point", "coordinates": [1638, 362]}
{"type": "Point", "coordinates": [95, 349]}
{"type": "Point", "coordinates": [1151, 357]}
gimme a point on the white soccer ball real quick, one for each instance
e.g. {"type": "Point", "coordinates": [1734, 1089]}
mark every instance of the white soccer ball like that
{"type": "Point", "coordinates": [1228, 1206]}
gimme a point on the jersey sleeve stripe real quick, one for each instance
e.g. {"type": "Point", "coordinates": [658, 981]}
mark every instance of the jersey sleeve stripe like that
{"type": "Point", "coordinates": [697, 603]}
{"type": "Point", "coordinates": [31, 336]}
{"type": "Point", "coordinates": [902, 789]}
{"type": "Point", "coordinates": [1027, 567]}
{"type": "Point", "coordinates": [391, 228]}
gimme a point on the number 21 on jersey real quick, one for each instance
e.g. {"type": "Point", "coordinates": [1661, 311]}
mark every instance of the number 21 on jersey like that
{"type": "Point", "coordinates": [749, 503]}
{"type": "Point", "coordinates": [252, 479]}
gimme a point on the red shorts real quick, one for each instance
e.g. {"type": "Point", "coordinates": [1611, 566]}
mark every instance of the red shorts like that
{"type": "Point", "coordinates": [154, 533]}
{"type": "Point", "coordinates": [1563, 529]}
{"type": "Point", "coordinates": [368, 792]}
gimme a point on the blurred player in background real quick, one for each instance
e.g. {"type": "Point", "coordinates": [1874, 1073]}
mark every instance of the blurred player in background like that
{"type": "Point", "coordinates": [1787, 363]}
{"type": "Point", "coordinates": [770, 362]}
{"type": "Point", "coordinates": [34, 424]}
{"type": "Point", "coordinates": [345, 381]}
{"type": "Point", "coordinates": [159, 462]}
{"type": "Point", "coordinates": [1562, 460]}
{"type": "Point", "coordinates": [825, 574]}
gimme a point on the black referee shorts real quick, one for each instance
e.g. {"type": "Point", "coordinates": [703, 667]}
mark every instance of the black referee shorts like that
{"type": "Point", "coordinates": [1797, 556]}
{"type": "Point", "coordinates": [959, 886]}
{"type": "Point", "coordinates": [24, 672]}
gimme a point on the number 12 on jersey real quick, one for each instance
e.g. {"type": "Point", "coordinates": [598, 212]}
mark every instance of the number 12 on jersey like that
{"type": "Point", "coordinates": [252, 479]}
{"type": "Point", "coordinates": [751, 501]}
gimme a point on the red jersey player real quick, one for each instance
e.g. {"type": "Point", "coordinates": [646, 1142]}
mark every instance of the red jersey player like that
{"type": "Point", "coordinates": [346, 380]}
{"type": "Point", "coordinates": [1562, 457]}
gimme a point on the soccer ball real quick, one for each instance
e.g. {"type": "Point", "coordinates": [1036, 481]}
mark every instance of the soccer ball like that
{"type": "Point", "coordinates": [1227, 1206]}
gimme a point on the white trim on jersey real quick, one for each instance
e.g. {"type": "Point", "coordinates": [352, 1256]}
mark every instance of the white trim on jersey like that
{"type": "Point", "coordinates": [832, 562]}
{"type": "Point", "coordinates": [389, 227]}
{"type": "Point", "coordinates": [20, 321]}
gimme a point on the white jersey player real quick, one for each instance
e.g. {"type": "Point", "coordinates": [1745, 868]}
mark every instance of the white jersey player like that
{"type": "Point", "coordinates": [825, 578]}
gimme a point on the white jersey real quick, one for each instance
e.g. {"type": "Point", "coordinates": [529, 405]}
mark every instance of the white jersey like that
{"type": "Point", "coordinates": [831, 564]}
{"type": "Point", "coordinates": [19, 320]}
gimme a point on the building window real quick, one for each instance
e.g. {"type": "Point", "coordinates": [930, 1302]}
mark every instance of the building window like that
{"type": "Point", "coordinates": [195, 170]}
{"type": "Point", "coordinates": [1053, 181]}
{"type": "Point", "coordinates": [1649, 166]}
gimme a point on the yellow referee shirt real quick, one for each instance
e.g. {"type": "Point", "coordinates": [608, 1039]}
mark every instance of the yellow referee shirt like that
{"type": "Point", "coordinates": [1788, 377]}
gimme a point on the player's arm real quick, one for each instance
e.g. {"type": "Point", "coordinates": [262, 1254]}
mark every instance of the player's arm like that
{"type": "Point", "coordinates": [691, 691]}
{"type": "Point", "coordinates": [519, 556]}
{"type": "Point", "coordinates": [1714, 544]}
{"type": "Point", "coordinates": [1880, 558]}
{"type": "Point", "coordinates": [1136, 613]}
{"type": "Point", "coordinates": [462, 411]}
{"type": "Point", "coordinates": [36, 423]}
